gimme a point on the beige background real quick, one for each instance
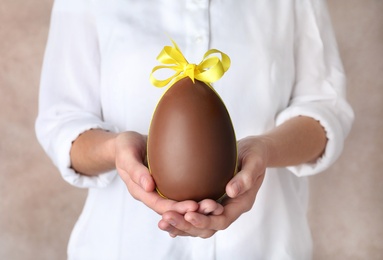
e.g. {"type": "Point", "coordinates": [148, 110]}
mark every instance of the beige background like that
{"type": "Point", "coordinates": [38, 209]}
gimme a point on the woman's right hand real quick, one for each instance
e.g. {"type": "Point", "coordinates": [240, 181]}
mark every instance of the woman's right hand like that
{"type": "Point", "coordinates": [130, 163]}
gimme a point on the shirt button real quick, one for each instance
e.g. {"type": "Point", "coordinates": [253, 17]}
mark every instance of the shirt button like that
{"type": "Point", "coordinates": [198, 39]}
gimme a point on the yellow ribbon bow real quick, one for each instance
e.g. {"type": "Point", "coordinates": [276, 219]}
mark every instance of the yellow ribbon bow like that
{"type": "Point", "coordinates": [209, 70]}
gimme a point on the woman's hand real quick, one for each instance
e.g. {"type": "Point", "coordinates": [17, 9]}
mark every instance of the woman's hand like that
{"type": "Point", "coordinates": [241, 193]}
{"type": "Point", "coordinates": [130, 164]}
{"type": "Point", "coordinates": [298, 140]}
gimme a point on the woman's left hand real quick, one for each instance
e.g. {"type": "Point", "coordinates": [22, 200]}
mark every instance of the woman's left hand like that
{"type": "Point", "coordinates": [241, 193]}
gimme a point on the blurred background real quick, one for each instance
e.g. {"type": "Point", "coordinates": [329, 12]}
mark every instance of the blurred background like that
{"type": "Point", "coordinates": [38, 209]}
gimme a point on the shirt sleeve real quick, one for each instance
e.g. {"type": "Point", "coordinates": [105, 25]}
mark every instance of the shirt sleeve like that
{"type": "Point", "coordinates": [320, 84]}
{"type": "Point", "coordinates": [69, 99]}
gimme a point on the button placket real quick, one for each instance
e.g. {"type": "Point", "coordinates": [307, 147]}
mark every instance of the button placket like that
{"type": "Point", "coordinates": [198, 29]}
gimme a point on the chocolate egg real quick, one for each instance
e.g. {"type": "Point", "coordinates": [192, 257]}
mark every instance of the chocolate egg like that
{"type": "Point", "coordinates": [192, 151]}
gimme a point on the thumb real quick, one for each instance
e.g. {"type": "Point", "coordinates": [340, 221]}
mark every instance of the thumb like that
{"type": "Point", "coordinates": [245, 179]}
{"type": "Point", "coordinates": [138, 173]}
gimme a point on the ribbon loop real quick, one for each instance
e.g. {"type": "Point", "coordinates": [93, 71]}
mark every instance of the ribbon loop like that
{"type": "Point", "coordinates": [209, 70]}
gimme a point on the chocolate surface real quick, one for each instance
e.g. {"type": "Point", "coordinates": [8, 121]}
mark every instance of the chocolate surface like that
{"type": "Point", "coordinates": [191, 146]}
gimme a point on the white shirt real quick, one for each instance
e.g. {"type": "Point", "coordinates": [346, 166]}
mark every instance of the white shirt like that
{"type": "Point", "coordinates": [96, 71]}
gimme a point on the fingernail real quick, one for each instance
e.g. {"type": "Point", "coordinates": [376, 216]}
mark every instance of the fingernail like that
{"type": "Point", "coordinates": [143, 182]}
{"type": "Point", "coordinates": [190, 219]}
{"type": "Point", "coordinates": [193, 221]}
{"type": "Point", "coordinates": [235, 189]}
{"type": "Point", "coordinates": [172, 222]}
{"type": "Point", "coordinates": [206, 211]}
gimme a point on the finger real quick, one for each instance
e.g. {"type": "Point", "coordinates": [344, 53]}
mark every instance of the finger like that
{"type": "Point", "coordinates": [197, 224]}
{"type": "Point", "coordinates": [233, 208]}
{"type": "Point", "coordinates": [213, 222]}
{"type": "Point", "coordinates": [209, 224]}
{"type": "Point", "coordinates": [165, 226]}
{"type": "Point", "coordinates": [243, 202]}
{"type": "Point", "coordinates": [182, 207]}
{"type": "Point", "coordinates": [178, 226]}
{"type": "Point", "coordinates": [172, 230]}
{"type": "Point", "coordinates": [209, 206]}
{"type": "Point", "coordinates": [159, 204]}
{"type": "Point", "coordinates": [199, 221]}
{"type": "Point", "coordinates": [172, 223]}
{"type": "Point", "coordinates": [169, 224]}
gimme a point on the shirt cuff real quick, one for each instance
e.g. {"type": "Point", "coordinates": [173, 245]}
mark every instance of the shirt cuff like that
{"type": "Point", "coordinates": [334, 134]}
{"type": "Point", "coordinates": [63, 146]}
